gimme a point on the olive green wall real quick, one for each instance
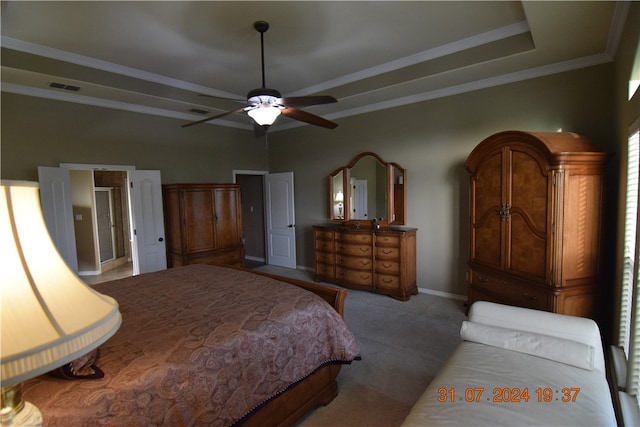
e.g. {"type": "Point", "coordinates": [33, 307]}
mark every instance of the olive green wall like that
{"type": "Point", "coordinates": [40, 132]}
{"type": "Point", "coordinates": [627, 111]}
{"type": "Point", "coordinates": [432, 140]}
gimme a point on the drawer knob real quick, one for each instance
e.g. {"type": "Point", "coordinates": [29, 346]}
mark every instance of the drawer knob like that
{"type": "Point", "coordinates": [527, 296]}
{"type": "Point", "coordinates": [483, 279]}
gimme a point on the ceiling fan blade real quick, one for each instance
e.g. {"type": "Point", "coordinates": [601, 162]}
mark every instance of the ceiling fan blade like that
{"type": "Point", "coordinates": [312, 119]}
{"type": "Point", "coordinates": [206, 119]}
{"type": "Point", "coordinates": [305, 101]}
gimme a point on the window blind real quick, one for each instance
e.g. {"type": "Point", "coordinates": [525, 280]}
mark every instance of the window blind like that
{"type": "Point", "coordinates": [630, 291]}
{"type": "Point", "coordinates": [629, 256]}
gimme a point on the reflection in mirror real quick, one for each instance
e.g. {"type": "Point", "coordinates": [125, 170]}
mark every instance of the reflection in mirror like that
{"type": "Point", "coordinates": [368, 185]}
{"type": "Point", "coordinates": [398, 195]}
{"type": "Point", "coordinates": [338, 195]}
{"type": "Point", "coordinates": [368, 188]}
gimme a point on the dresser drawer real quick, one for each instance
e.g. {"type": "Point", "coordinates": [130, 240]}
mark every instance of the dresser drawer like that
{"type": "Point", "coordinates": [325, 271]}
{"type": "Point", "coordinates": [387, 282]}
{"type": "Point", "coordinates": [324, 245]}
{"type": "Point", "coordinates": [387, 253]}
{"type": "Point", "coordinates": [511, 292]}
{"type": "Point", "coordinates": [323, 234]}
{"type": "Point", "coordinates": [361, 263]}
{"type": "Point", "coordinates": [353, 249]}
{"type": "Point", "coordinates": [364, 238]}
{"type": "Point", "coordinates": [354, 277]}
{"type": "Point", "coordinates": [387, 239]}
{"type": "Point", "coordinates": [387, 267]}
{"type": "Point", "coordinates": [325, 257]}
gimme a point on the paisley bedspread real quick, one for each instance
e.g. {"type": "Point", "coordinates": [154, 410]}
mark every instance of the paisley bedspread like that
{"type": "Point", "coordinates": [199, 345]}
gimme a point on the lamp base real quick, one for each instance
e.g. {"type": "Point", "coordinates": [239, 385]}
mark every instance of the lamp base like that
{"type": "Point", "coordinates": [15, 411]}
{"type": "Point", "coordinates": [30, 416]}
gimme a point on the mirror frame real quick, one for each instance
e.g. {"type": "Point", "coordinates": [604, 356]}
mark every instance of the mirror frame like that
{"type": "Point", "coordinates": [394, 194]}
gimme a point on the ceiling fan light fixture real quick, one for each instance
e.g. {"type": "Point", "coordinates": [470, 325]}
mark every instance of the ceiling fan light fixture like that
{"type": "Point", "coordinates": [264, 114]}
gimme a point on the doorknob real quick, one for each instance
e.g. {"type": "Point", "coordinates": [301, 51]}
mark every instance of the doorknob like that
{"type": "Point", "coordinates": [290, 225]}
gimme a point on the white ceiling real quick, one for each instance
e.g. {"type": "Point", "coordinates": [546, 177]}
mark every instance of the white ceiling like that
{"type": "Point", "coordinates": [157, 57]}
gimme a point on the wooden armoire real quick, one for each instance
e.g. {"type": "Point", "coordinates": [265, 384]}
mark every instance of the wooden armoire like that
{"type": "Point", "coordinates": [536, 221]}
{"type": "Point", "coordinates": [204, 224]}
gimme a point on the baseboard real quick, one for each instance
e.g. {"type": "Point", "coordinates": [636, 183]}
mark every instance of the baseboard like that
{"type": "Point", "coordinates": [88, 272]}
{"type": "Point", "coordinates": [443, 294]}
{"type": "Point", "coordinates": [255, 258]}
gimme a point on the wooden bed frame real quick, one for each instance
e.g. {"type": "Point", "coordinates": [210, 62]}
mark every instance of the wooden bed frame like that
{"type": "Point", "coordinates": [316, 390]}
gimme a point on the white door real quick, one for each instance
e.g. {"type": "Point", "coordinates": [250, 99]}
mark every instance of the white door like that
{"type": "Point", "coordinates": [148, 222]}
{"type": "Point", "coordinates": [55, 198]}
{"type": "Point", "coordinates": [281, 227]}
{"type": "Point", "coordinates": [359, 205]}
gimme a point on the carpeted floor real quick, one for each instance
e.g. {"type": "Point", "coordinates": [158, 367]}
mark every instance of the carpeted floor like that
{"type": "Point", "coordinates": [403, 346]}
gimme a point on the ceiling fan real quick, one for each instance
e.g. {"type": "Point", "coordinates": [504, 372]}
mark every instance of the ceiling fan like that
{"type": "Point", "coordinates": [264, 105]}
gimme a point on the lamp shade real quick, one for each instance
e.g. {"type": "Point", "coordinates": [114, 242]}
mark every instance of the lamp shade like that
{"type": "Point", "coordinates": [49, 316]}
{"type": "Point", "coordinates": [264, 114]}
{"type": "Point", "coordinates": [339, 196]}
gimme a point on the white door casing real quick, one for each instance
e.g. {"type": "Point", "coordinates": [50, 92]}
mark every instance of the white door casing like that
{"type": "Point", "coordinates": [280, 218]}
{"type": "Point", "coordinates": [56, 202]}
{"type": "Point", "coordinates": [148, 222]}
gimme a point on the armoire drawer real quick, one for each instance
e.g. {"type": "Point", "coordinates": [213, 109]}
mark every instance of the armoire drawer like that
{"type": "Point", "coordinates": [512, 292]}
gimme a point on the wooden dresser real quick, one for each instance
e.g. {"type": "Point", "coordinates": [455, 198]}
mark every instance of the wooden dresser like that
{"type": "Point", "coordinates": [204, 224]}
{"type": "Point", "coordinates": [377, 260]}
{"type": "Point", "coordinates": [536, 222]}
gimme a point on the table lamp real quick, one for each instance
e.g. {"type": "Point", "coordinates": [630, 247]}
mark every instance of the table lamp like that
{"type": "Point", "coordinates": [49, 316]}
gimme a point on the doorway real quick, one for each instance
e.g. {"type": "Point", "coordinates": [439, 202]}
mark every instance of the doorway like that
{"type": "Point", "coordinates": [112, 218]}
{"type": "Point", "coordinates": [68, 201]}
{"type": "Point", "coordinates": [253, 216]}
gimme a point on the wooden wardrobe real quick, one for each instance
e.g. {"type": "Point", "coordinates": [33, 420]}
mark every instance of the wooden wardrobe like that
{"type": "Point", "coordinates": [204, 224]}
{"type": "Point", "coordinates": [536, 222]}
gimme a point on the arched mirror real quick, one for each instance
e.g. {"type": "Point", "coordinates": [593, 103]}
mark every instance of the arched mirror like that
{"type": "Point", "coordinates": [368, 188]}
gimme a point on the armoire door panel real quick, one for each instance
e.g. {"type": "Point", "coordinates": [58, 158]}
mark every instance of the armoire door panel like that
{"type": "Point", "coordinates": [226, 226]}
{"type": "Point", "coordinates": [529, 189]}
{"type": "Point", "coordinates": [198, 220]}
{"type": "Point", "coordinates": [487, 241]}
{"type": "Point", "coordinates": [527, 248]}
{"type": "Point", "coordinates": [487, 186]}
{"type": "Point", "coordinates": [486, 228]}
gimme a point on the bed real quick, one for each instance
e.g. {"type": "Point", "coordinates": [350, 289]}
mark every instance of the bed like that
{"type": "Point", "coordinates": [208, 345]}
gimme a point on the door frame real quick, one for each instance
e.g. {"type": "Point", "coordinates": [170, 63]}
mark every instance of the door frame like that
{"type": "Point", "coordinates": [264, 174]}
{"type": "Point", "coordinates": [129, 169]}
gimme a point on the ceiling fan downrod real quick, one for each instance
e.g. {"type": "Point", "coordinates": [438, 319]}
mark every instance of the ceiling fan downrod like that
{"type": "Point", "coordinates": [262, 27]}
